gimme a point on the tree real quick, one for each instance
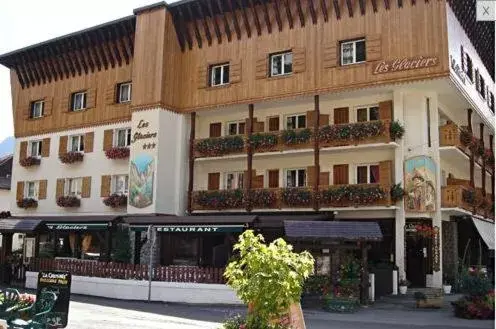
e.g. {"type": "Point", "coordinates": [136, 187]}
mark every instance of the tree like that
{"type": "Point", "coordinates": [122, 247]}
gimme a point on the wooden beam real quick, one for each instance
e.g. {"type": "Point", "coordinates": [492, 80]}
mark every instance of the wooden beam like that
{"type": "Point", "coordinates": [400, 3]}
{"type": "Point", "coordinates": [206, 29]}
{"type": "Point", "coordinates": [226, 23]}
{"type": "Point", "coordinates": [127, 40]}
{"type": "Point", "coordinates": [234, 18]}
{"type": "Point", "coordinates": [249, 156]}
{"type": "Point", "coordinates": [37, 65]}
{"type": "Point", "coordinates": [32, 68]}
{"type": "Point", "coordinates": [413, 2]}
{"type": "Point", "coordinates": [191, 161]}
{"type": "Point", "coordinates": [99, 50]}
{"type": "Point", "coordinates": [197, 31]}
{"type": "Point", "coordinates": [85, 53]}
{"type": "Point", "coordinates": [44, 65]}
{"type": "Point", "coordinates": [20, 76]}
{"type": "Point", "coordinates": [184, 28]}
{"type": "Point", "coordinates": [336, 8]}
{"type": "Point", "coordinates": [245, 18]}
{"type": "Point", "coordinates": [79, 55]}
{"type": "Point", "coordinates": [374, 5]}
{"type": "Point", "coordinates": [491, 147]}
{"type": "Point", "coordinates": [323, 5]}
{"type": "Point", "coordinates": [277, 14]}
{"type": "Point", "coordinates": [472, 156]}
{"type": "Point", "coordinates": [55, 61]}
{"type": "Point", "coordinates": [112, 37]}
{"type": "Point", "coordinates": [386, 4]}
{"type": "Point", "coordinates": [350, 7]}
{"type": "Point", "coordinates": [105, 47]}
{"type": "Point", "coordinates": [483, 174]}
{"type": "Point", "coordinates": [179, 32]}
{"type": "Point", "coordinates": [312, 11]}
{"type": "Point", "coordinates": [214, 20]}
{"type": "Point", "coordinates": [255, 17]}
{"type": "Point", "coordinates": [289, 14]}
{"type": "Point", "coordinates": [300, 12]}
{"type": "Point", "coordinates": [316, 151]}
{"type": "Point", "coordinates": [362, 6]}
{"type": "Point", "coordinates": [120, 35]}
{"type": "Point", "coordinates": [267, 18]}
{"type": "Point", "coordinates": [92, 51]}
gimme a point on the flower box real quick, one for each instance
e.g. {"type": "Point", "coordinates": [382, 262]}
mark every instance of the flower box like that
{"type": "Point", "coordinates": [71, 157]}
{"type": "Point", "coordinates": [346, 134]}
{"type": "Point", "coordinates": [30, 161]}
{"type": "Point", "coordinates": [220, 146]}
{"type": "Point", "coordinates": [116, 200]}
{"type": "Point", "coordinates": [264, 141]}
{"type": "Point", "coordinates": [117, 153]}
{"type": "Point", "coordinates": [263, 198]}
{"type": "Point", "coordinates": [346, 195]}
{"type": "Point", "coordinates": [27, 203]}
{"type": "Point", "coordinates": [297, 197]}
{"type": "Point", "coordinates": [68, 202]}
{"type": "Point", "coordinates": [220, 199]}
{"type": "Point", "coordinates": [296, 137]}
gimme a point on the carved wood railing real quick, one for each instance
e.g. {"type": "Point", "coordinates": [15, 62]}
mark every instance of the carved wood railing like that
{"type": "Point", "coordinates": [369, 132]}
{"type": "Point", "coordinates": [449, 135]}
{"type": "Point", "coordinates": [355, 195]}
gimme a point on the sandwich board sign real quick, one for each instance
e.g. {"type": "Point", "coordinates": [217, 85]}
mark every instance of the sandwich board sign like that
{"type": "Point", "coordinates": [60, 284]}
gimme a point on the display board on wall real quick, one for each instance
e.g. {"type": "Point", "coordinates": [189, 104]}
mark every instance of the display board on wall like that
{"type": "Point", "coordinates": [60, 284]}
{"type": "Point", "coordinates": [420, 184]}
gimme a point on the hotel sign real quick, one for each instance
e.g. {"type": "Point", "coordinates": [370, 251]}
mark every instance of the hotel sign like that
{"type": "Point", "coordinates": [404, 64]}
{"type": "Point", "coordinates": [76, 227]}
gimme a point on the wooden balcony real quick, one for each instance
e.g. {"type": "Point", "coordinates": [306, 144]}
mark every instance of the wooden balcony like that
{"type": "Point", "coordinates": [449, 135]}
{"type": "Point", "coordinates": [282, 140]}
{"type": "Point", "coordinates": [467, 198]}
{"type": "Point", "coordinates": [219, 146]}
{"type": "Point", "coordinates": [370, 132]}
{"type": "Point", "coordinates": [355, 195]}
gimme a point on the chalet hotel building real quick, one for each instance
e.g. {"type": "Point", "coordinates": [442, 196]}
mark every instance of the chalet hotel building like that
{"type": "Point", "coordinates": [204, 117]}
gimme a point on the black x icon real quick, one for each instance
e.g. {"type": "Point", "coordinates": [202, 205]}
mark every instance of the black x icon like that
{"type": "Point", "coordinates": [486, 10]}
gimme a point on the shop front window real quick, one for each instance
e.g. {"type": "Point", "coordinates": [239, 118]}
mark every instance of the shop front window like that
{"type": "Point", "coordinates": [185, 251]}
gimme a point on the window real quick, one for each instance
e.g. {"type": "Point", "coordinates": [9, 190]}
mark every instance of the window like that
{"type": "Point", "coordinates": [73, 186]}
{"type": "Point", "coordinates": [30, 191]}
{"type": "Point", "coordinates": [35, 149]}
{"type": "Point", "coordinates": [120, 184]}
{"type": "Point", "coordinates": [234, 180]}
{"type": "Point", "coordinates": [367, 174]}
{"type": "Point", "coordinates": [491, 102]}
{"type": "Point", "coordinates": [482, 87]}
{"type": "Point", "coordinates": [352, 52]}
{"type": "Point", "coordinates": [78, 101]}
{"type": "Point", "coordinates": [125, 92]}
{"type": "Point", "coordinates": [469, 68]}
{"type": "Point", "coordinates": [77, 143]}
{"type": "Point", "coordinates": [367, 113]}
{"type": "Point", "coordinates": [235, 128]}
{"type": "Point", "coordinates": [219, 75]}
{"type": "Point", "coordinates": [281, 64]}
{"type": "Point", "coordinates": [37, 109]}
{"type": "Point", "coordinates": [296, 121]}
{"type": "Point", "coordinates": [296, 177]}
{"type": "Point", "coordinates": [123, 137]}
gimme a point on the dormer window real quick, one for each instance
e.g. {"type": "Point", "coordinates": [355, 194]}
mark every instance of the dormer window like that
{"type": "Point", "coordinates": [37, 109]}
{"type": "Point", "coordinates": [219, 75]}
{"type": "Point", "coordinates": [352, 52]}
{"type": "Point", "coordinates": [78, 101]}
{"type": "Point", "coordinates": [281, 64]}
{"type": "Point", "coordinates": [125, 92]}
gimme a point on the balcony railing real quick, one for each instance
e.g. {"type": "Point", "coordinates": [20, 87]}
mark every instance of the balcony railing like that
{"type": "Point", "coordinates": [219, 146]}
{"type": "Point", "coordinates": [282, 140]}
{"type": "Point", "coordinates": [450, 135]}
{"type": "Point", "coordinates": [355, 195]}
{"type": "Point", "coordinates": [369, 132]}
{"type": "Point", "coordinates": [467, 198]}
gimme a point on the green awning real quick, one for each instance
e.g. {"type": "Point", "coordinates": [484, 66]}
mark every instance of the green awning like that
{"type": "Point", "coordinates": [77, 226]}
{"type": "Point", "coordinates": [191, 228]}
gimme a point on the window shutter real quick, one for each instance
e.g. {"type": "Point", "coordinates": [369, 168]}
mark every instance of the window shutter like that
{"type": "Point", "coordinates": [341, 115]}
{"type": "Point", "coordinates": [105, 188]}
{"type": "Point", "coordinates": [246, 177]}
{"type": "Point", "coordinates": [65, 103]}
{"type": "Point", "coordinates": [91, 98]}
{"type": "Point", "coordinates": [340, 174]}
{"type": "Point", "coordinates": [20, 191]}
{"type": "Point", "coordinates": [213, 181]}
{"type": "Point", "coordinates": [258, 181]}
{"type": "Point", "coordinates": [330, 55]}
{"type": "Point", "coordinates": [258, 127]}
{"type": "Point", "coordinates": [215, 129]}
{"type": "Point", "coordinates": [386, 110]}
{"type": "Point", "coordinates": [202, 76]}
{"type": "Point", "coordinates": [311, 172]}
{"type": "Point", "coordinates": [88, 142]}
{"type": "Point", "coordinates": [324, 120]}
{"type": "Point", "coordinates": [42, 189]}
{"type": "Point", "coordinates": [299, 60]}
{"type": "Point", "coordinates": [385, 172]}
{"type": "Point", "coordinates": [47, 106]}
{"type": "Point", "coordinates": [111, 95]}
{"type": "Point", "coordinates": [45, 147]}
{"type": "Point", "coordinates": [310, 118]}
{"type": "Point", "coordinates": [462, 57]}
{"type": "Point", "coordinates": [477, 85]}
{"type": "Point", "coordinates": [261, 67]}
{"type": "Point", "coordinates": [274, 124]}
{"type": "Point", "coordinates": [108, 139]}
{"type": "Point", "coordinates": [25, 109]}
{"type": "Point", "coordinates": [59, 190]}
{"type": "Point", "coordinates": [373, 45]}
{"type": "Point", "coordinates": [62, 145]}
{"type": "Point", "coordinates": [274, 178]}
{"type": "Point", "coordinates": [86, 188]}
{"type": "Point", "coordinates": [23, 150]}
{"type": "Point", "coordinates": [324, 178]}
{"type": "Point", "coordinates": [235, 71]}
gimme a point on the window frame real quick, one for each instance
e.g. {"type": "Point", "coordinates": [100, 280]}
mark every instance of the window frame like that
{"type": "Point", "coordinates": [129, 92]}
{"type": "Point", "coordinates": [115, 180]}
{"type": "Point", "coordinates": [128, 137]}
{"type": "Point", "coordinates": [237, 123]}
{"type": "Point", "coordinates": [482, 86]}
{"type": "Point", "coordinates": [222, 67]}
{"type": "Point", "coordinates": [286, 171]}
{"type": "Point", "coordinates": [368, 107]}
{"type": "Point", "coordinates": [239, 177]}
{"type": "Point", "coordinates": [83, 103]}
{"type": "Point", "coordinates": [354, 42]}
{"type": "Point", "coordinates": [368, 165]}
{"type": "Point", "coordinates": [469, 68]}
{"type": "Point", "coordinates": [40, 146]}
{"type": "Point", "coordinates": [80, 141]}
{"type": "Point", "coordinates": [283, 57]}
{"type": "Point", "coordinates": [297, 115]}
{"type": "Point", "coordinates": [35, 190]}
{"type": "Point", "coordinates": [33, 106]}
{"type": "Point", "coordinates": [68, 184]}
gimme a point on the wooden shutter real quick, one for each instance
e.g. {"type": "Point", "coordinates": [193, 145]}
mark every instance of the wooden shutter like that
{"type": "Point", "coordinates": [330, 55]}
{"type": "Point", "coordinates": [86, 188]}
{"type": "Point", "coordinates": [47, 106]}
{"type": "Point", "coordinates": [274, 178]}
{"type": "Point", "coordinates": [258, 127]}
{"type": "Point", "coordinates": [62, 145]}
{"type": "Point", "coordinates": [65, 103]}
{"type": "Point", "coordinates": [477, 86]}
{"type": "Point", "coordinates": [45, 147]}
{"type": "Point", "coordinates": [215, 129]}
{"type": "Point", "coordinates": [385, 172]}
{"type": "Point", "coordinates": [462, 58]}
{"type": "Point", "coordinates": [341, 115]}
{"type": "Point", "coordinates": [213, 181]}
{"type": "Point", "coordinates": [310, 118]}
{"type": "Point", "coordinates": [111, 95]}
{"type": "Point", "coordinates": [340, 174]}
{"type": "Point", "coordinates": [105, 188]}
{"type": "Point", "coordinates": [42, 189]}
{"type": "Point", "coordinates": [373, 45]}
{"type": "Point", "coordinates": [242, 127]}
{"type": "Point", "coordinates": [246, 177]}
{"type": "Point", "coordinates": [386, 110]}
{"type": "Point", "coordinates": [258, 181]}
{"type": "Point", "coordinates": [274, 124]}
{"type": "Point", "coordinates": [23, 150]}
{"type": "Point", "coordinates": [202, 79]}
{"type": "Point", "coordinates": [24, 108]}
{"type": "Point", "coordinates": [311, 172]}
{"type": "Point", "coordinates": [299, 60]}
{"type": "Point", "coordinates": [108, 139]}
{"type": "Point", "coordinates": [324, 178]}
{"type": "Point", "coordinates": [235, 71]}
{"type": "Point", "coordinates": [91, 98]}
{"type": "Point", "coordinates": [59, 190]}
{"type": "Point", "coordinates": [261, 67]}
{"type": "Point", "coordinates": [88, 142]}
{"type": "Point", "coordinates": [20, 191]}
{"type": "Point", "coordinates": [324, 120]}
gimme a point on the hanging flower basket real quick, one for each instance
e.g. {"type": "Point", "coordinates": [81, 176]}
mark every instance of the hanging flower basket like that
{"type": "Point", "coordinates": [396, 130]}
{"type": "Point", "coordinates": [468, 196]}
{"type": "Point", "coordinates": [489, 158]}
{"type": "Point", "coordinates": [262, 198]}
{"type": "Point", "coordinates": [465, 136]}
{"type": "Point", "coordinates": [397, 192]}
{"type": "Point", "coordinates": [30, 161]}
{"type": "Point", "coordinates": [220, 146]}
{"type": "Point", "coordinates": [68, 202]}
{"type": "Point", "coordinates": [27, 203]}
{"type": "Point", "coordinates": [222, 199]}
{"type": "Point", "coordinates": [117, 153]}
{"type": "Point", "coordinates": [264, 141]}
{"type": "Point", "coordinates": [116, 200]}
{"type": "Point", "coordinates": [295, 137]}
{"type": "Point", "coordinates": [71, 157]}
{"type": "Point", "coordinates": [296, 197]}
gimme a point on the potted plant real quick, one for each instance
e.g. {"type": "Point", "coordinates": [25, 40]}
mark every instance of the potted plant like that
{"type": "Point", "coordinates": [404, 283]}
{"type": "Point", "coordinates": [447, 286]}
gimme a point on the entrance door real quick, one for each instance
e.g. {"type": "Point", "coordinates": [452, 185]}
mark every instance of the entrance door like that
{"type": "Point", "coordinates": [415, 260]}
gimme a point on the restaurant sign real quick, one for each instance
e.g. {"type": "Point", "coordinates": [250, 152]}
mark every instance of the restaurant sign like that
{"type": "Point", "coordinates": [404, 64]}
{"type": "Point", "coordinates": [77, 227]}
{"type": "Point", "coordinates": [193, 228]}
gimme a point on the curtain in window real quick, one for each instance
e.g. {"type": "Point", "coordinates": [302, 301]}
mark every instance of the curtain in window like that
{"type": "Point", "coordinates": [72, 243]}
{"type": "Point", "coordinates": [374, 174]}
{"type": "Point", "coordinates": [86, 243]}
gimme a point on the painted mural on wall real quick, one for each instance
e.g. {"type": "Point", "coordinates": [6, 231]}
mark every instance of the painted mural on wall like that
{"type": "Point", "coordinates": [420, 184]}
{"type": "Point", "coordinates": [141, 178]}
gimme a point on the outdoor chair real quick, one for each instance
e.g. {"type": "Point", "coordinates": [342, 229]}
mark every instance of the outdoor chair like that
{"type": "Point", "coordinates": [36, 314]}
{"type": "Point", "coordinates": [9, 299]}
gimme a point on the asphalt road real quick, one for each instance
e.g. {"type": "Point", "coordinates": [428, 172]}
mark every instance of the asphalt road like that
{"type": "Point", "coordinates": [97, 313]}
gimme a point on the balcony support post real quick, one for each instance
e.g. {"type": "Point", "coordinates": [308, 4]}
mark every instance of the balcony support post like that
{"type": "Point", "coordinates": [192, 133]}
{"type": "Point", "coordinates": [483, 162]}
{"type": "Point", "coordinates": [249, 150]}
{"type": "Point", "coordinates": [472, 156]}
{"type": "Point", "coordinates": [316, 151]}
{"type": "Point", "coordinates": [491, 146]}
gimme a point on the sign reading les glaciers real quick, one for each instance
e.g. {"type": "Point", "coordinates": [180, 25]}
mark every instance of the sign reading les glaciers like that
{"type": "Point", "coordinates": [404, 64]}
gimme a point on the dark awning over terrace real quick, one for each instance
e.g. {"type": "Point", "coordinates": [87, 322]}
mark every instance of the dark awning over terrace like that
{"type": "Point", "coordinates": [15, 225]}
{"type": "Point", "coordinates": [333, 230]}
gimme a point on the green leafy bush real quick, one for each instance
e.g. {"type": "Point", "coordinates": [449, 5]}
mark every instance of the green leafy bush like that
{"type": "Point", "coordinates": [397, 192]}
{"type": "Point", "coordinates": [263, 140]}
{"type": "Point", "coordinates": [396, 130]}
{"type": "Point", "coordinates": [222, 199]}
{"type": "Point", "coordinates": [220, 146]}
{"type": "Point", "coordinates": [122, 247]}
{"type": "Point", "coordinates": [294, 137]}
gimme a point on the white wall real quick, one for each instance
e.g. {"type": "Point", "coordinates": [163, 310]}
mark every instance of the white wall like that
{"type": "Point", "coordinates": [4, 200]}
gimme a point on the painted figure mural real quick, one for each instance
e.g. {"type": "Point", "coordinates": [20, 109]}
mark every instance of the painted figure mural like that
{"type": "Point", "coordinates": [142, 173]}
{"type": "Point", "coordinates": [420, 184]}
